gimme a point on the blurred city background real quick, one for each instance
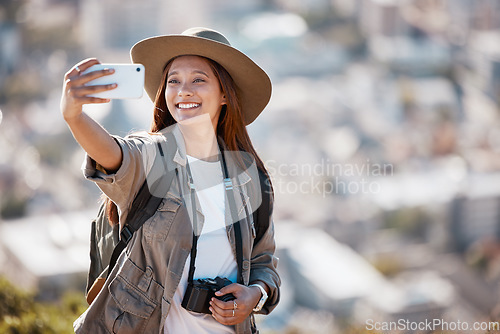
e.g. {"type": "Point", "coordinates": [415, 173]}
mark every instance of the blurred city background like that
{"type": "Point", "coordinates": [382, 137]}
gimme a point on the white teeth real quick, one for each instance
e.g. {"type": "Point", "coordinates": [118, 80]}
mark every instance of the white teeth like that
{"type": "Point", "coordinates": [187, 105]}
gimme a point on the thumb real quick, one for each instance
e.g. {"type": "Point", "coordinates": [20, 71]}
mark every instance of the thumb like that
{"type": "Point", "coordinates": [227, 289]}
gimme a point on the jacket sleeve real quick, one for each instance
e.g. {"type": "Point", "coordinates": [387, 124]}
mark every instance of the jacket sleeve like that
{"type": "Point", "coordinates": [121, 187]}
{"type": "Point", "coordinates": [263, 264]}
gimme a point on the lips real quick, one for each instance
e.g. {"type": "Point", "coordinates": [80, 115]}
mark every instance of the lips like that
{"type": "Point", "coordinates": [184, 105]}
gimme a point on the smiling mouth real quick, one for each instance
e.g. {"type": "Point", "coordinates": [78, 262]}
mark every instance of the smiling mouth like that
{"type": "Point", "coordinates": [187, 105]}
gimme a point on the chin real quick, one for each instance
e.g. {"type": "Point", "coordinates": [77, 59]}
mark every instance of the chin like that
{"type": "Point", "coordinates": [196, 118]}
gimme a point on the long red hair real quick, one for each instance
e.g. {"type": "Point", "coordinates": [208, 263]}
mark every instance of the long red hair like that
{"type": "Point", "coordinates": [230, 126]}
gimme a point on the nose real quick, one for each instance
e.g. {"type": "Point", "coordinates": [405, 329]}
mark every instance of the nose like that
{"type": "Point", "coordinates": [185, 90]}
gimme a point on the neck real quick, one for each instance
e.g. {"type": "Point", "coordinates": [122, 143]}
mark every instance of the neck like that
{"type": "Point", "coordinates": [200, 139]}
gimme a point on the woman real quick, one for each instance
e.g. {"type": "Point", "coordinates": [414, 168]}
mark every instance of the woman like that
{"type": "Point", "coordinates": [205, 92]}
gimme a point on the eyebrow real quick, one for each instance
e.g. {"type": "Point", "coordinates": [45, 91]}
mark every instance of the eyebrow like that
{"type": "Point", "coordinates": [195, 71]}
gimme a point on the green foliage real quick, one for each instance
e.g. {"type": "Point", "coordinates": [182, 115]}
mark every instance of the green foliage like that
{"type": "Point", "coordinates": [13, 206]}
{"type": "Point", "coordinates": [12, 300]}
{"type": "Point", "coordinates": [411, 222]}
{"type": "Point", "coordinates": [20, 313]}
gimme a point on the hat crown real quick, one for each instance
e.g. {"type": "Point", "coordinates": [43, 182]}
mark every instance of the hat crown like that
{"type": "Point", "coordinates": [207, 34]}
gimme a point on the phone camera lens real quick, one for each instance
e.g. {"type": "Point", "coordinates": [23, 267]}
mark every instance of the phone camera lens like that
{"type": "Point", "coordinates": [138, 69]}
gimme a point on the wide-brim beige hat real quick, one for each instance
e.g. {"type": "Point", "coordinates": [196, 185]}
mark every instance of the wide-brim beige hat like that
{"type": "Point", "coordinates": [252, 83]}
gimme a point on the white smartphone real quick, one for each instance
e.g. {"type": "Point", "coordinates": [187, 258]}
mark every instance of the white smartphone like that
{"type": "Point", "coordinates": [128, 77]}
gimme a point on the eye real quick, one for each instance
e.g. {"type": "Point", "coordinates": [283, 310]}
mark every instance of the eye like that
{"type": "Point", "coordinates": [172, 81]}
{"type": "Point", "coordinates": [199, 80]}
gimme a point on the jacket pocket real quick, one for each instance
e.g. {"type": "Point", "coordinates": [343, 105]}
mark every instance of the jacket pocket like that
{"type": "Point", "coordinates": [157, 227]}
{"type": "Point", "coordinates": [134, 296]}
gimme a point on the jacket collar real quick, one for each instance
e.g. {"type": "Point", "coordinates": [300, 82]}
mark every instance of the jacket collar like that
{"type": "Point", "coordinates": [180, 156]}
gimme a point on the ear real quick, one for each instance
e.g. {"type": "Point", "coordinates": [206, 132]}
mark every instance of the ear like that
{"type": "Point", "coordinates": [223, 100]}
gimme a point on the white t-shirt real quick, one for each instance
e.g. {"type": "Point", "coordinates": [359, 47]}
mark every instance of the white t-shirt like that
{"type": "Point", "coordinates": [214, 255]}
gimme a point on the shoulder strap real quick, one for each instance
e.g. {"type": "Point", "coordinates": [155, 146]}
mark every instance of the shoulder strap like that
{"type": "Point", "coordinates": [144, 204]}
{"type": "Point", "coordinates": [261, 216]}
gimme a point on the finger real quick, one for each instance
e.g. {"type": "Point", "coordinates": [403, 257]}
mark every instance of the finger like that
{"type": "Point", "coordinates": [83, 91]}
{"type": "Point", "coordinates": [92, 100]}
{"type": "Point", "coordinates": [87, 77]}
{"type": "Point", "coordinates": [81, 67]}
{"type": "Point", "coordinates": [231, 288]}
{"type": "Point", "coordinates": [87, 63]}
{"type": "Point", "coordinates": [222, 319]}
{"type": "Point", "coordinates": [222, 313]}
{"type": "Point", "coordinates": [223, 305]}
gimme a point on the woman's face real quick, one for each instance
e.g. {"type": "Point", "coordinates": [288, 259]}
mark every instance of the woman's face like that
{"type": "Point", "coordinates": [193, 90]}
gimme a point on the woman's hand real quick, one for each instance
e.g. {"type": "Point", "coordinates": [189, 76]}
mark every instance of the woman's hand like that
{"type": "Point", "coordinates": [92, 137]}
{"type": "Point", "coordinates": [75, 92]}
{"type": "Point", "coordinates": [235, 311]}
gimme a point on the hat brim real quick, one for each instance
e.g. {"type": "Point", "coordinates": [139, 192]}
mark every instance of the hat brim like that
{"type": "Point", "coordinates": [252, 83]}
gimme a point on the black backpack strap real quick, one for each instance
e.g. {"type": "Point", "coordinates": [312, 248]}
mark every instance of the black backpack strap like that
{"type": "Point", "coordinates": [239, 250]}
{"type": "Point", "coordinates": [145, 204]}
{"type": "Point", "coordinates": [128, 231]}
{"type": "Point", "coordinates": [261, 216]}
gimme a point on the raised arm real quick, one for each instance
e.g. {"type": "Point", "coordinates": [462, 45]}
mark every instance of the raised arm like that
{"type": "Point", "coordinates": [91, 136]}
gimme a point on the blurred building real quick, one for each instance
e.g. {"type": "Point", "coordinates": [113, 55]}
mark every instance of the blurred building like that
{"type": "Point", "coordinates": [393, 40]}
{"type": "Point", "coordinates": [118, 24]}
{"type": "Point", "coordinates": [48, 254]}
{"type": "Point", "coordinates": [483, 55]}
{"type": "Point", "coordinates": [347, 8]}
{"type": "Point", "coordinates": [475, 214]}
{"type": "Point", "coordinates": [327, 275]}
{"type": "Point", "coordinates": [383, 18]}
{"type": "Point", "coordinates": [10, 52]}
